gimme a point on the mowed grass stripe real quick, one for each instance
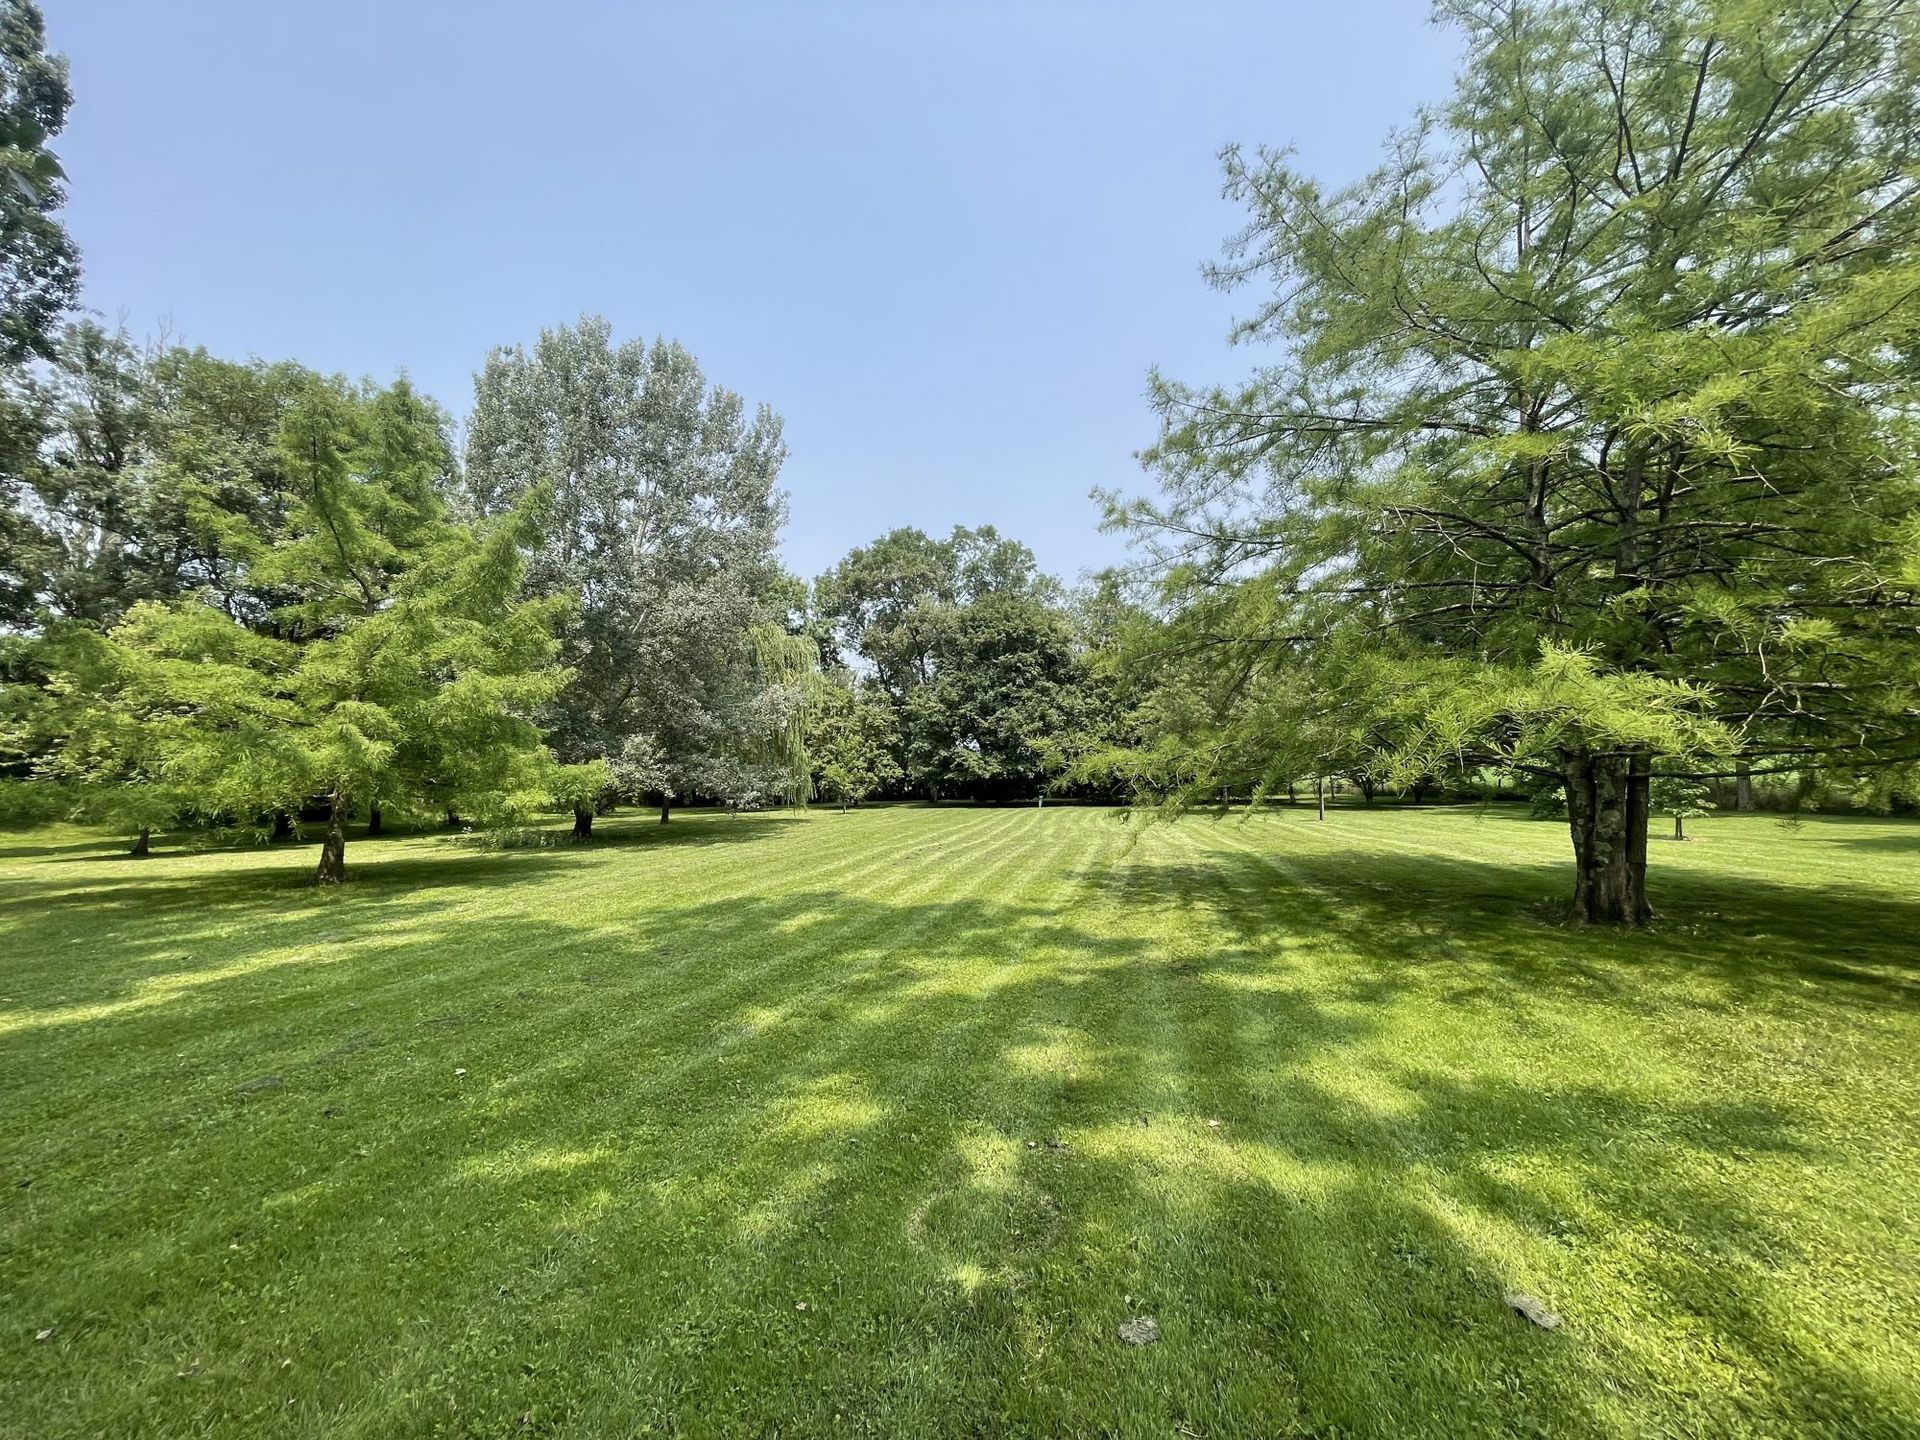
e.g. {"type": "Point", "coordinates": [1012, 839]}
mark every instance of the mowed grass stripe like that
{"type": "Point", "coordinates": [413, 1144]}
{"type": "Point", "coordinates": [892, 1065]}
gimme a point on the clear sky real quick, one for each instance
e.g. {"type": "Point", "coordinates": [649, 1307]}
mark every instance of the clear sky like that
{"type": "Point", "coordinates": [945, 239]}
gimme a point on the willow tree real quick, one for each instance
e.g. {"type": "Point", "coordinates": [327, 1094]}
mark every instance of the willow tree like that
{"type": "Point", "coordinates": [1587, 440]}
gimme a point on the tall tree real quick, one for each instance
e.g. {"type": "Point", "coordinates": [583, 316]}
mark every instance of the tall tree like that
{"type": "Point", "coordinates": [150, 474]}
{"type": "Point", "coordinates": [662, 519]}
{"type": "Point", "coordinates": [39, 275]}
{"type": "Point", "coordinates": [1588, 444]}
{"type": "Point", "coordinates": [39, 268]}
{"type": "Point", "coordinates": [405, 671]}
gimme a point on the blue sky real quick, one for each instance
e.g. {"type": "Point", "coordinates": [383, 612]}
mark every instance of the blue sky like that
{"type": "Point", "coordinates": [944, 240]}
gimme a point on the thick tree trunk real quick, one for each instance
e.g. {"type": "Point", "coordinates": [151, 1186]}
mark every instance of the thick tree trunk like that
{"type": "Point", "coordinates": [376, 823]}
{"type": "Point", "coordinates": [1679, 827]}
{"type": "Point", "coordinates": [1607, 813]}
{"type": "Point", "coordinates": [583, 822]}
{"type": "Point", "coordinates": [142, 843]}
{"type": "Point", "coordinates": [282, 827]}
{"type": "Point", "coordinates": [666, 810]}
{"type": "Point", "coordinates": [453, 818]}
{"type": "Point", "coordinates": [1742, 787]}
{"type": "Point", "coordinates": [333, 850]}
{"type": "Point", "coordinates": [1320, 797]}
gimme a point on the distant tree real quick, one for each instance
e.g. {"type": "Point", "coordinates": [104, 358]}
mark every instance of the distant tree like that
{"type": "Point", "coordinates": [1589, 434]}
{"type": "Point", "coordinates": [975, 651]}
{"type": "Point", "coordinates": [1007, 702]}
{"type": "Point", "coordinates": [151, 474]}
{"type": "Point", "coordinates": [662, 520]}
{"type": "Point", "coordinates": [851, 740]}
{"type": "Point", "coordinates": [1681, 798]}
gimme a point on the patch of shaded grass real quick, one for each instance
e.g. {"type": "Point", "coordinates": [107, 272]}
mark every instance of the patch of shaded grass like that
{"type": "Point", "coordinates": [881, 1123]}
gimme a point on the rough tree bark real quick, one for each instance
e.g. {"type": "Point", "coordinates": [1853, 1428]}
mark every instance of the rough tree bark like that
{"type": "Point", "coordinates": [1742, 787]}
{"type": "Point", "coordinates": [142, 843]}
{"type": "Point", "coordinates": [333, 850]}
{"type": "Point", "coordinates": [1607, 813]}
{"type": "Point", "coordinates": [666, 810]}
{"type": "Point", "coordinates": [583, 822]}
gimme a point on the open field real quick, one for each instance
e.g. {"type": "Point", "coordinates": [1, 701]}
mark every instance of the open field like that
{"type": "Point", "coordinates": [881, 1123]}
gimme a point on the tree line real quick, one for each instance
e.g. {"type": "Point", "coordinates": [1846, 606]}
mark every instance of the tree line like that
{"type": "Point", "coordinates": [1579, 460]}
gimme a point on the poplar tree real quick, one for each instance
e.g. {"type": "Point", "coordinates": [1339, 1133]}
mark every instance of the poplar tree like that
{"type": "Point", "coordinates": [661, 520]}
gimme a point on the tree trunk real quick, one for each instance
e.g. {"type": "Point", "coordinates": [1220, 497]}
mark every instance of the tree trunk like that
{"type": "Point", "coordinates": [453, 818]}
{"type": "Point", "coordinates": [666, 809]}
{"type": "Point", "coordinates": [1607, 813]}
{"type": "Point", "coordinates": [282, 827]}
{"type": "Point", "coordinates": [1320, 796]}
{"type": "Point", "coordinates": [333, 850]}
{"type": "Point", "coordinates": [1742, 787]}
{"type": "Point", "coordinates": [1679, 827]}
{"type": "Point", "coordinates": [376, 823]}
{"type": "Point", "coordinates": [142, 843]}
{"type": "Point", "coordinates": [583, 822]}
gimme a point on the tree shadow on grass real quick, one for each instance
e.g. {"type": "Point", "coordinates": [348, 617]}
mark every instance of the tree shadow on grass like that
{"type": "Point", "coordinates": [1476, 927]}
{"type": "Point", "coordinates": [969, 1135]}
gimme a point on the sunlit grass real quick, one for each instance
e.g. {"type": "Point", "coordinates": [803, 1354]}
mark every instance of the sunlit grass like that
{"type": "Point", "coordinates": [881, 1123]}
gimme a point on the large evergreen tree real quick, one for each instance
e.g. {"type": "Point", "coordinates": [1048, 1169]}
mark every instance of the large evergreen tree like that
{"type": "Point", "coordinates": [1588, 444]}
{"type": "Point", "coordinates": [405, 669]}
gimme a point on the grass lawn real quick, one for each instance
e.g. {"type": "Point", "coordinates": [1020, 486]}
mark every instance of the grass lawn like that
{"type": "Point", "coordinates": [881, 1123]}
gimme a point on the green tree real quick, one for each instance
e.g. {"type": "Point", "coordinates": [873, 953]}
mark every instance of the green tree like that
{"type": "Point", "coordinates": [1586, 445]}
{"type": "Point", "coordinates": [851, 740]}
{"type": "Point", "coordinates": [39, 268]}
{"type": "Point", "coordinates": [405, 671]}
{"type": "Point", "coordinates": [974, 649]}
{"type": "Point", "coordinates": [149, 475]}
{"type": "Point", "coordinates": [1681, 798]}
{"type": "Point", "coordinates": [662, 520]}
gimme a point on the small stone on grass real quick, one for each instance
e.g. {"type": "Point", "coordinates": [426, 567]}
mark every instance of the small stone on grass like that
{"type": "Point", "coordinates": [1141, 1330]}
{"type": "Point", "coordinates": [1533, 1308]}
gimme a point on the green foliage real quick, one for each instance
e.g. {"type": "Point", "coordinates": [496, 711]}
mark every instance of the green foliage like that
{"type": "Point", "coordinates": [148, 475]}
{"type": "Point", "coordinates": [661, 521]}
{"type": "Point", "coordinates": [39, 269]}
{"type": "Point", "coordinates": [978, 655]}
{"type": "Point", "coordinates": [402, 671]}
{"type": "Point", "coordinates": [852, 740]}
{"type": "Point", "coordinates": [1585, 438]}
